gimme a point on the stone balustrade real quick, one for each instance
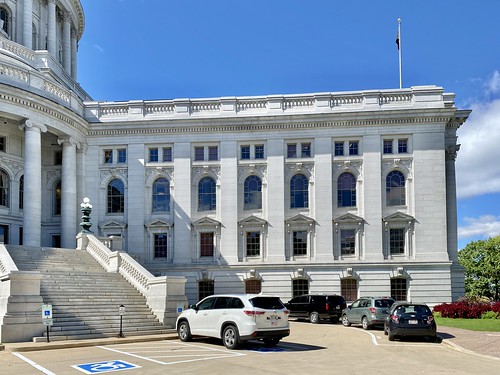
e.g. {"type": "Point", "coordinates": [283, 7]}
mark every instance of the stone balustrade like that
{"type": "Point", "coordinates": [376, 100]}
{"type": "Point", "coordinates": [163, 294]}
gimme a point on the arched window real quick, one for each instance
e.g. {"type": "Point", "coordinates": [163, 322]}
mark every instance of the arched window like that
{"type": "Point", "coordinates": [346, 190]}
{"type": "Point", "coordinates": [21, 192]}
{"type": "Point", "coordinates": [4, 16]}
{"type": "Point", "coordinates": [299, 191]}
{"type": "Point", "coordinates": [395, 189]}
{"type": "Point", "coordinates": [4, 189]}
{"type": "Point", "coordinates": [252, 193]}
{"type": "Point", "coordinates": [57, 198]}
{"type": "Point", "coordinates": [161, 195]}
{"type": "Point", "coordinates": [206, 194]}
{"type": "Point", "coordinates": [116, 196]}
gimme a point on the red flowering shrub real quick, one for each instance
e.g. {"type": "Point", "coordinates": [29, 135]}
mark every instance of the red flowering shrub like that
{"type": "Point", "coordinates": [495, 307]}
{"type": "Point", "coordinates": [463, 309]}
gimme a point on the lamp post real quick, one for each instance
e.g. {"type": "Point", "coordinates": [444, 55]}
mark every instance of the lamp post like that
{"type": "Point", "coordinates": [121, 312]}
{"type": "Point", "coordinates": [86, 209]}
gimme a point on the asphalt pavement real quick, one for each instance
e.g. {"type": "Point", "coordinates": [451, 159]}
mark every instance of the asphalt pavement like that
{"type": "Point", "coordinates": [479, 343]}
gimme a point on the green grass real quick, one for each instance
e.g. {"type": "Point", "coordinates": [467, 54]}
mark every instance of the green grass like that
{"type": "Point", "coordinates": [490, 325]}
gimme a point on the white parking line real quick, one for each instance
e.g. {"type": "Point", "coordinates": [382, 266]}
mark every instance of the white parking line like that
{"type": "Point", "coordinates": [34, 364]}
{"type": "Point", "coordinates": [175, 351]}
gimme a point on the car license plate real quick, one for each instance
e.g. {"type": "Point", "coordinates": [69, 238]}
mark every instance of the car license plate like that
{"type": "Point", "coordinates": [413, 321]}
{"type": "Point", "coordinates": [273, 319]}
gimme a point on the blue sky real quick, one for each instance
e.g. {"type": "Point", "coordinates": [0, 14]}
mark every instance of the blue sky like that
{"type": "Point", "coordinates": [165, 49]}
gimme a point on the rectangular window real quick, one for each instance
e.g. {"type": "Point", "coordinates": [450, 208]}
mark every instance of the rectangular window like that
{"type": "Point", "coordinates": [259, 151]}
{"type": "Point", "coordinates": [402, 146]}
{"type": "Point", "coordinates": [347, 242]}
{"type": "Point", "coordinates": [253, 244]}
{"type": "Point", "coordinates": [291, 150]}
{"type": "Point", "coordinates": [349, 289]}
{"type": "Point", "coordinates": [245, 152]}
{"type": "Point", "coordinates": [213, 153]}
{"type": "Point", "coordinates": [305, 150]}
{"type": "Point", "coordinates": [396, 241]}
{"type": "Point", "coordinates": [399, 289]}
{"type": "Point", "coordinates": [153, 155]}
{"type": "Point", "coordinates": [339, 148]}
{"type": "Point", "coordinates": [160, 245]}
{"type": "Point", "coordinates": [300, 287]}
{"type": "Point", "coordinates": [167, 154]}
{"type": "Point", "coordinates": [205, 288]}
{"type": "Point", "coordinates": [2, 144]}
{"type": "Point", "coordinates": [122, 155]}
{"type": "Point", "coordinates": [108, 156]}
{"type": "Point", "coordinates": [199, 154]}
{"type": "Point", "coordinates": [353, 148]}
{"type": "Point", "coordinates": [300, 242]}
{"type": "Point", "coordinates": [207, 244]}
{"type": "Point", "coordinates": [387, 146]}
{"type": "Point", "coordinates": [58, 158]}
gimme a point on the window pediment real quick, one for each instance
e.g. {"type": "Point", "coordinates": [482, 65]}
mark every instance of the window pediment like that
{"type": "Point", "coordinates": [112, 224]}
{"type": "Point", "coordinates": [398, 217]}
{"type": "Point", "coordinates": [206, 222]}
{"type": "Point", "coordinates": [300, 220]}
{"type": "Point", "coordinates": [348, 218]}
{"type": "Point", "coordinates": [252, 221]}
{"type": "Point", "coordinates": [158, 223]}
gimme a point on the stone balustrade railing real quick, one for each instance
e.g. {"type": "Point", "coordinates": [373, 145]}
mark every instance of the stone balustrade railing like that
{"type": "Point", "coordinates": [6, 263]}
{"type": "Point", "coordinates": [163, 294]}
{"type": "Point", "coordinates": [376, 100]}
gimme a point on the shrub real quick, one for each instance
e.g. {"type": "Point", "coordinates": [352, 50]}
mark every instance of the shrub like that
{"type": "Point", "coordinates": [464, 309]}
{"type": "Point", "coordinates": [490, 315]}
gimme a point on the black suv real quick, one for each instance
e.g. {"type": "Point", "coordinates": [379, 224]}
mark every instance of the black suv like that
{"type": "Point", "coordinates": [317, 306]}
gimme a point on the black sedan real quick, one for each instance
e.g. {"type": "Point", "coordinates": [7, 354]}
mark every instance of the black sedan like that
{"type": "Point", "coordinates": [410, 319]}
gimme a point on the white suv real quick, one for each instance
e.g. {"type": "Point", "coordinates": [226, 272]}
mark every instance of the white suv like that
{"type": "Point", "coordinates": [235, 318]}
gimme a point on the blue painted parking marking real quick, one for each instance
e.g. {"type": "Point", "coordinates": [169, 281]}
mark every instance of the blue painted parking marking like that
{"type": "Point", "coordinates": [105, 366]}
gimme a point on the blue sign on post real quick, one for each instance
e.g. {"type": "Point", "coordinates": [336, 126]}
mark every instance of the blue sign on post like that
{"type": "Point", "coordinates": [105, 366]}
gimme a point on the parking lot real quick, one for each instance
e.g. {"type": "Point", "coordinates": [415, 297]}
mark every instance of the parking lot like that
{"type": "Point", "coordinates": [310, 349]}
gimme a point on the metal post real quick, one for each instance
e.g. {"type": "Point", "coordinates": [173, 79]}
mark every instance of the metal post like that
{"type": "Point", "coordinates": [48, 340]}
{"type": "Point", "coordinates": [121, 311]}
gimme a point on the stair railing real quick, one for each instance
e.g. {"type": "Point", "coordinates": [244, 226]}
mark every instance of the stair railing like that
{"type": "Point", "coordinates": [164, 295]}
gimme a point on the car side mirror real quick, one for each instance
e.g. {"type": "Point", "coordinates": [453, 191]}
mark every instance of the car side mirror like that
{"type": "Point", "coordinates": [194, 307]}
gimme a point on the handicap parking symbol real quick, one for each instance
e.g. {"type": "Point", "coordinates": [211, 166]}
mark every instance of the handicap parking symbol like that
{"type": "Point", "coordinates": [105, 366]}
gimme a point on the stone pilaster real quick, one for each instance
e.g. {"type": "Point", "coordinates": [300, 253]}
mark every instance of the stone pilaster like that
{"type": "Point", "coordinates": [69, 214]}
{"type": "Point", "coordinates": [32, 209]}
{"type": "Point", "coordinates": [74, 54]}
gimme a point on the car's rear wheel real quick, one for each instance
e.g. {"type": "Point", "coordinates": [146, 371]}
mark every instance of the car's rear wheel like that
{"type": "Point", "coordinates": [345, 321]}
{"type": "Point", "coordinates": [314, 317]}
{"type": "Point", "coordinates": [271, 341]}
{"type": "Point", "coordinates": [364, 323]}
{"type": "Point", "coordinates": [391, 337]}
{"type": "Point", "coordinates": [231, 337]}
{"type": "Point", "coordinates": [385, 330]}
{"type": "Point", "coordinates": [184, 331]}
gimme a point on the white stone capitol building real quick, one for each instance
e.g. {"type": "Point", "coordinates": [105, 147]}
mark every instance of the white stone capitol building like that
{"type": "Point", "coordinates": [350, 193]}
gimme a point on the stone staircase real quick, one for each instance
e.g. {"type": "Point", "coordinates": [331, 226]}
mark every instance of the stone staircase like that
{"type": "Point", "coordinates": [85, 298]}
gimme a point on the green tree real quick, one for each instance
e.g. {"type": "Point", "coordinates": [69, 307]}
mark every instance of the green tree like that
{"type": "Point", "coordinates": [481, 261]}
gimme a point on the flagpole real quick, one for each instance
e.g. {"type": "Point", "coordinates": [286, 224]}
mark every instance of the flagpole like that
{"type": "Point", "coordinates": [400, 55]}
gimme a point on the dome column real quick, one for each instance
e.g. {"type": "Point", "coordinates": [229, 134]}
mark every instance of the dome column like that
{"type": "Point", "coordinates": [28, 24]}
{"type": "Point", "coordinates": [67, 42]}
{"type": "Point", "coordinates": [74, 52]}
{"type": "Point", "coordinates": [51, 28]}
{"type": "Point", "coordinates": [32, 205]}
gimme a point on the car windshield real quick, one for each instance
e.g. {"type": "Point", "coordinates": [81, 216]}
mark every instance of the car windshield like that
{"type": "Point", "coordinates": [384, 303]}
{"type": "Point", "coordinates": [273, 303]}
{"type": "Point", "coordinates": [413, 309]}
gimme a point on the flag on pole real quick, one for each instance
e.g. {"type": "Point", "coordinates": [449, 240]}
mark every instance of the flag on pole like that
{"type": "Point", "coordinates": [397, 39]}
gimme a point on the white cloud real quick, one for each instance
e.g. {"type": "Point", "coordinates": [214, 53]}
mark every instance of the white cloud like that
{"type": "Point", "coordinates": [493, 84]}
{"type": "Point", "coordinates": [483, 227]}
{"type": "Point", "coordinates": [478, 161]}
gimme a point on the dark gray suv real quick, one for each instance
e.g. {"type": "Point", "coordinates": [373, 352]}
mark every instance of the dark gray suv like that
{"type": "Point", "coordinates": [367, 311]}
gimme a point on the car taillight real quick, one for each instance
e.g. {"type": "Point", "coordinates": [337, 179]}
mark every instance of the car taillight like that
{"type": "Point", "coordinates": [327, 307]}
{"type": "Point", "coordinates": [430, 319]}
{"type": "Point", "coordinates": [253, 313]}
{"type": "Point", "coordinates": [286, 312]}
{"type": "Point", "coordinates": [373, 310]}
{"type": "Point", "coordinates": [395, 319]}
